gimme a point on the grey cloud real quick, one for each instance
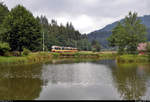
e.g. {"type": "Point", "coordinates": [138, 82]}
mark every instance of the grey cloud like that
{"type": "Point", "coordinates": [74, 8]}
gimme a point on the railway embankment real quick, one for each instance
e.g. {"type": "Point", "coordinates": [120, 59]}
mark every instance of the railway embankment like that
{"type": "Point", "coordinates": [42, 57]}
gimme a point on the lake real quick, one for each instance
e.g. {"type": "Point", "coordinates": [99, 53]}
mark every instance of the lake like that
{"type": "Point", "coordinates": [90, 80]}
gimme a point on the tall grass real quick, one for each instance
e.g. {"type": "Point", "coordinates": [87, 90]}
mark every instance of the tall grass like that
{"type": "Point", "coordinates": [75, 55]}
{"type": "Point", "coordinates": [133, 59]}
{"type": "Point", "coordinates": [40, 57]}
{"type": "Point", "coordinates": [108, 55]}
{"type": "Point", "coordinates": [32, 58]}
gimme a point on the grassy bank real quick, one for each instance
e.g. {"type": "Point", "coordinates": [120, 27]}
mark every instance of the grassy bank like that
{"type": "Point", "coordinates": [76, 55]}
{"type": "Point", "coordinates": [32, 58]}
{"type": "Point", "coordinates": [133, 59]}
{"type": "Point", "coordinates": [41, 57]}
{"type": "Point", "coordinates": [108, 55]}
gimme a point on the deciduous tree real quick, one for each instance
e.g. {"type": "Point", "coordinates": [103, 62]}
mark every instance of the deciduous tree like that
{"type": "Point", "coordinates": [128, 35]}
{"type": "Point", "coordinates": [22, 30]}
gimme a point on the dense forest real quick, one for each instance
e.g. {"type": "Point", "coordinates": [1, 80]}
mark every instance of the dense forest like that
{"type": "Point", "coordinates": [20, 30]}
{"type": "Point", "coordinates": [61, 35]}
{"type": "Point", "coordinates": [102, 34]}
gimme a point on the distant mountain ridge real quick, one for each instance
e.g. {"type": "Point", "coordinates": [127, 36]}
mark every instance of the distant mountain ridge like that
{"type": "Point", "coordinates": [102, 34]}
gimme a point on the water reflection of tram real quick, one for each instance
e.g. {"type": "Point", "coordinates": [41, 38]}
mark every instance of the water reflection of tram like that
{"type": "Point", "coordinates": [63, 49]}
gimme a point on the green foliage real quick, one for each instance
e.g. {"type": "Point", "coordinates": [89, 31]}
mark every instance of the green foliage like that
{"type": "Point", "coordinates": [3, 12]}
{"type": "Point", "coordinates": [4, 47]}
{"type": "Point", "coordinates": [83, 54]}
{"type": "Point", "coordinates": [96, 46]}
{"type": "Point", "coordinates": [94, 49]}
{"type": "Point", "coordinates": [43, 53]}
{"type": "Point", "coordinates": [84, 44]}
{"type": "Point", "coordinates": [7, 54]}
{"type": "Point", "coordinates": [55, 54]}
{"type": "Point", "coordinates": [101, 35]}
{"type": "Point", "coordinates": [22, 30]}
{"type": "Point", "coordinates": [130, 58]}
{"type": "Point", "coordinates": [148, 47]}
{"type": "Point", "coordinates": [25, 51]}
{"type": "Point", "coordinates": [32, 58]}
{"type": "Point", "coordinates": [128, 35]}
{"type": "Point", "coordinates": [148, 50]}
{"type": "Point", "coordinates": [109, 55]}
{"type": "Point", "coordinates": [61, 35]}
{"type": "Point", "coordinates": [15, 53]}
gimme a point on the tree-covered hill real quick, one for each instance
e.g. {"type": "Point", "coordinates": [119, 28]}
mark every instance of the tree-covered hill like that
{"type": "Point", "coordinates": [102, 34]}
{"type": "Point", "coordinates": [62, 35]}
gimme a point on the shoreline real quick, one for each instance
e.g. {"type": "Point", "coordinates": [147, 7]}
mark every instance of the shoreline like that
{"type": "Point", "coordinates": [43, 57]}
{"type": "Point", "coordinates": [133, 59]}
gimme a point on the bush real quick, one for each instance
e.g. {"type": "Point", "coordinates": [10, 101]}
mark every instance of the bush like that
{"type": "Point", "coordinates": [56, 54]}
{"type": "Point", "coordinates": [4, 47]}
{"type": "Point", "coordinates": [148, 50]}
{"type": "Point", "coordinates": [148, 47]}
{"type": "Point", "coordinates": [25, 51]}
{"type": "Point", "coordinates": [15, 53]}
{"type": "Point", "coordinates": [94, 49]}
{"type": "Point", "coordinates": [7, 54]}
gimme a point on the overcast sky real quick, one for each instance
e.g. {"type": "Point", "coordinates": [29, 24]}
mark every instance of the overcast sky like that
{"type": "Point", "coordinates": [85, 15]}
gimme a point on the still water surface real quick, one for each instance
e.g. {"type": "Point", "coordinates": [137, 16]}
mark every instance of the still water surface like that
{"type": "Point", "coordinates": [98, 80]}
